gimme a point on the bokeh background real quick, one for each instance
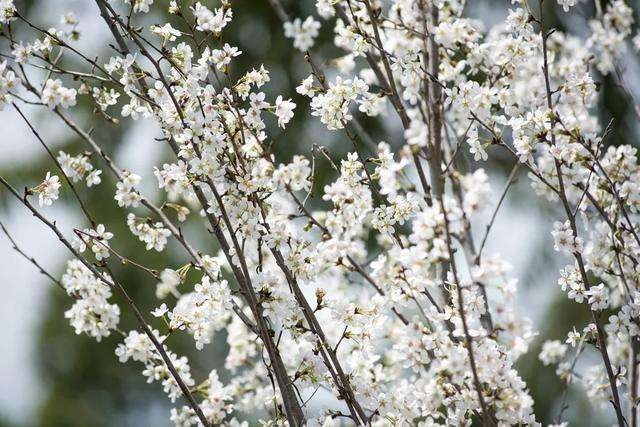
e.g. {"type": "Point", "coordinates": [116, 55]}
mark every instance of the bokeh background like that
{"type": "Point", "coordinates": [51, 377]}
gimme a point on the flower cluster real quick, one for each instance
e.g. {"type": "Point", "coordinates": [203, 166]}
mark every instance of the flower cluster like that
{"type": "Point", "coordinates": [54, 94]}
{"type": "Point", "coordinates": [91, 314]}
{"type": "Point", "coordinates": [7, 11]}
{"type": "Point", "coordinates": [140, 348]}
{"type": "Point", "coordinates": [78, 167]}
{"type": "Point", "coordinates": [126, 194]}
{"type": "Point", "coordinates": [202, 312]}
{"type": "Point", "coordinates": [332, 105]}
{"type": "Point", "coordinates": [48, 190]}
{"type": "Point", "coordinates": [302, 33]}
{"type": "Point", "coordinates": [97, 240]}
{"type": "Point", "coordinates": [154, 235]}
{"type": "Point", "coordinates": [213, 21]}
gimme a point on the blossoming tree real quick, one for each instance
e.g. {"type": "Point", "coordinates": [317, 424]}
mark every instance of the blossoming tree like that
{"type": "Point", "coordinates": [381, 307]}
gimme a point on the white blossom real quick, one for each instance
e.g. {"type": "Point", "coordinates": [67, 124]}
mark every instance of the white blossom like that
{"type": "Point", "coordinates": [55, 94]}
{"type": "Point", "coordinates": [303, 33]}
{"type": "Point", "coordinates": [49, 190]}
{"type": "Point", "coordinates": [552, 352]}
{"type": "Point", "coordinates": [91, 313]}
{"type": "Point", "coordinates": [284, 111]}
{"type": "Point", "coordinates": [566, 4]}
{"type": "Point", "coordinates": [140, 5]}
{"type": "Point", "coordinates": [213, 21]}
